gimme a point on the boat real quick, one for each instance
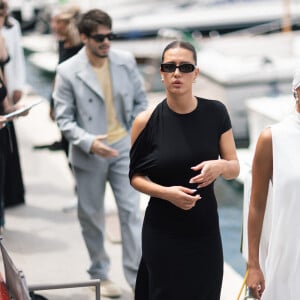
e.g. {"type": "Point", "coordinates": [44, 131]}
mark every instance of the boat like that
{"type": "Point", "coordinates": [261, 113]}
{"type": "Point", "coordinates": [135, 19]}
{"type": "Point", "coordinates": [240, 67]}
{"type": "Point", "coordinates": [32, 13]}
{"type": "Point", "coordinates": [216, 17]}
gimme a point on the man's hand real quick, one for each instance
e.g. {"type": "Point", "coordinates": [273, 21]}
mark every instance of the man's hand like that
{"type": "Point", "coordinates": [100, 148]}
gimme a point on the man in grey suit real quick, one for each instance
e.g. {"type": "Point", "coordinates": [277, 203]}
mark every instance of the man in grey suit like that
{"type": "Point", "coordinates": [97, 94]}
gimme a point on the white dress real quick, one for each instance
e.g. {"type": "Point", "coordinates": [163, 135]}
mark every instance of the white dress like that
{"type": "Point", "coordinates": [282, 264]}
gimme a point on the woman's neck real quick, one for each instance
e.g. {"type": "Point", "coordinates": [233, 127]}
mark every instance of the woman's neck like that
{"type": "Point", "coordinates": [182, 104]}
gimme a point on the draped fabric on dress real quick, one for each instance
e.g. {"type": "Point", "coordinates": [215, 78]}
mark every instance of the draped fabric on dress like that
{"type": "Point", "coordinates": [182, 251]}
{"type": "Point", "coordinates": [282, 264]}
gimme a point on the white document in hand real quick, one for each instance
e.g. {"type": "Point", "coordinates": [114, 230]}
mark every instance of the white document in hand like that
{"type": "Point", "coordinates": [26, 108]}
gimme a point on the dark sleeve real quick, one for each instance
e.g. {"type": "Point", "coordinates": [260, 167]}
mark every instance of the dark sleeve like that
{"type": "Point", "coordinates": [4, 62]}
{"type": "Point", "coordinates": [225, 123]}
{"type": "Point", "coordinates": [142, 156]}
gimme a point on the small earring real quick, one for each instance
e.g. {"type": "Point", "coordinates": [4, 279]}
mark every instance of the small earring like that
{"type": "Point", "coordinates": [296, 96]}
{"type": "Point", "coordinates": [162, 80]}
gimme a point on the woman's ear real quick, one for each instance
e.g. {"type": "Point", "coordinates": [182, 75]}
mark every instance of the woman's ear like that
{"type": "Point", "coordinates": [161, 75]}
{"type": "Point", "coordinates": [196, 74]}
{"type": "Point", "coordinates": [197, 71]}
{"type": "Point", "coordinates": [83, 38]}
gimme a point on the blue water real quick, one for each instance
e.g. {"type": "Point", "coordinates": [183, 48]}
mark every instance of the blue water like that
{"type": "Point", "coordinates": [230, 202]}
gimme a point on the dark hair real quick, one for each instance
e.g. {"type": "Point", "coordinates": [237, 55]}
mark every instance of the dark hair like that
{"type": "Point", "coordinates": [89, 21]}
{"type": "Point", "coordinates": [180, 44]}
{"type": "Point", "coordinates": [4, 7]}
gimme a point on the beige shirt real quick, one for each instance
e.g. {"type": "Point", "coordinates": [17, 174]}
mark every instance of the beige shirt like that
{"type": "Point", "coordinates": [115, 131]}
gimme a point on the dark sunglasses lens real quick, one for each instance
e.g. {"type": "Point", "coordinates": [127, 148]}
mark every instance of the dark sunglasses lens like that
{"type": "Point", "coordinates": [168, 68]}
{"type": "Point", "coordinates": [186, 68]}
{"type": "Point", "coordinates": [101, 37]}
{"type": "Point", "coordinates": [98, 37]}
{"type": "Point", "coordinates": [111, 36]}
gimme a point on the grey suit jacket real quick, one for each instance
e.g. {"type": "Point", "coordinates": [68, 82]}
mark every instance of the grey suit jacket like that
{"type": "Point", "coordinates": [79, 105]}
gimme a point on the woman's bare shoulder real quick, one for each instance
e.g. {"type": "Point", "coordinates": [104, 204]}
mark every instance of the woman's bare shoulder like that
{"type": "Point", "coordinates": [266, 136]}
{"type": "Point", "coordinates": [144, 116]}
{"type": "Point", "coordinates": [264, 144]}
{"type": "Point", "coordinates": [140, 122]}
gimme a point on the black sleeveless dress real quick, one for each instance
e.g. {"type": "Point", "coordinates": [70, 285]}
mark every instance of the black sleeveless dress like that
{"type": "Point", "coordinates": [182, 250]}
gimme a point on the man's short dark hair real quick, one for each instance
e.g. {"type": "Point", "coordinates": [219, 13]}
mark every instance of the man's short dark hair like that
{"type": "Point", "coordinates": [89, 21]}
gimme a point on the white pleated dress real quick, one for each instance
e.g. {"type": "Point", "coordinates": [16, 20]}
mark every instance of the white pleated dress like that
{"type": "Point", "coordinates": [282, 263]}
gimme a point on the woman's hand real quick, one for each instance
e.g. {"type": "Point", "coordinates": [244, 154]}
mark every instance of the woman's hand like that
{"type": "Point", "coordinates": [256, 282]}
{"type": "Point", "coordinates": [19, 106]}
{"type": "Point", "coordinates": [12, 108]}
{"type": "Point", "coordinates": [3, 120]}
{"type": "Point", "coordinates": [182, 197]}
{"type": "Point", "coordinates": [209, 170]}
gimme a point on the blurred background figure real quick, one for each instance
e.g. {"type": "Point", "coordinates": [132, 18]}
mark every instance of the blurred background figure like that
{"type": "Point", "coordinates": [15, 72]}
{"type": "Point", "coordinates": [11, 184]}
{"type": "Point", "coordinates": [3, 132]}
{"type": "Point", "coordinates": [64, 27]}
{"type": "Point", "coordinates": [15, 79]}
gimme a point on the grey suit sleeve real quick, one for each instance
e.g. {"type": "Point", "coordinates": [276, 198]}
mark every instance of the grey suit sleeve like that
{"type": "Point", "coordinates": [66, 114]}
{"type": "Point", "coordinates": [140, 98]}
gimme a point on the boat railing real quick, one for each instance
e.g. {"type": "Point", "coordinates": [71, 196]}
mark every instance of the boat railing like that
{"type": "Point", "coordinates": [265, 28]}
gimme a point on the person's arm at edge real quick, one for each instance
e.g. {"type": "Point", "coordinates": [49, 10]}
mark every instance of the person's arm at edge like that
{"type": "Point", "coordinates": [262, 169]}
{"type": "Point", "coordinates": [230, 167]}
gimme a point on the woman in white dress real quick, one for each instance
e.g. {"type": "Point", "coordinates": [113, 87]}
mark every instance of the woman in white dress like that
{"type": "Point", "coordinates": [276, 160]}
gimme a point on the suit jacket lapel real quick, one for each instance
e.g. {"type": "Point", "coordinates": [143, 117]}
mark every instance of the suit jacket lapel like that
{"type": "Point", "coordinates": [88, 76]}
{"type": "Point", "coordinates": [115, 73]}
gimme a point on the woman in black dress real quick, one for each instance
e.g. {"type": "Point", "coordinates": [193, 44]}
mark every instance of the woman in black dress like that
{"type": "Point", "coordinates": [6, 143]}
{"type": "Point", "coordinates": [3, 148]}
{"type": "Point", "coordinates": [178, 151]}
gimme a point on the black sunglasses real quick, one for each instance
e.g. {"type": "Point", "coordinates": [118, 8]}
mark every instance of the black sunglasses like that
{"type": "Point", "coordinates": [101, 37]}
{"type": "Point", "coordinates": [171, 67]}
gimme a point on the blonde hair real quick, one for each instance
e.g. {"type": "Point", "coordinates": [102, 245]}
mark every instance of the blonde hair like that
{"type": "Point", "coordinates": [70, 15]}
